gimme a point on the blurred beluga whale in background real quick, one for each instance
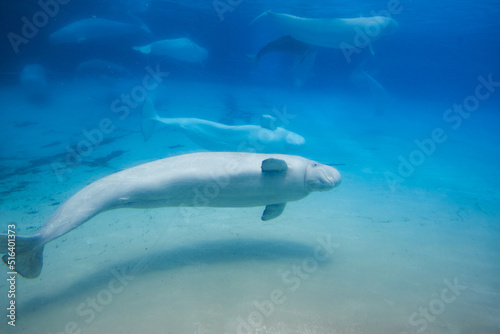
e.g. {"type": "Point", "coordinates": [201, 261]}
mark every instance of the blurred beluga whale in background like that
{"type": "Point", "coordinates": [333, 32]}
{"type": "Point", "coordinates": [266, 138]}
{"type": "Point", "coordinates": [33, 79]}
{"type": "Point", "coordinates": [96, 29]}
{"type": "Point", "coordinates": [179, 48]}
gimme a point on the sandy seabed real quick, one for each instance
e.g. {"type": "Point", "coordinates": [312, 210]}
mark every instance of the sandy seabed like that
{"type": "Point", "coordinates": [382, 253]}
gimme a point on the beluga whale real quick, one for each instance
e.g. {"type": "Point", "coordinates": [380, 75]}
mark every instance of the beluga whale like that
{"type": "Point", "coordinates": [93, 29]}
{"type": "Point", "coordinates": [182, 49]}
{"type": "Point", "coordinates": [339, 33]}
{"type": "Point", "coordinates": [242, 180]}
{"type": "Point", "coordinates": [264, 138]}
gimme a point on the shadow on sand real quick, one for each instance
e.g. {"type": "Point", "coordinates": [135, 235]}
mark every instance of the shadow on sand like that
{"type": "Point", "coordinates": [205, 253]}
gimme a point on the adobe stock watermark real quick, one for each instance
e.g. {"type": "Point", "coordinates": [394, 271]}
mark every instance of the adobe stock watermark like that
{"type": "Point", "coordinates": [223, 6]}
{"type": "Point", "coordinates": [30, 28]}
{"type": "Point", "coordinates": [420, 320]}
{"type": "Point", "coordinates": [88, 310]}
{"type": "Point", "coordinates": [454, 118]}
{"type": "Point", "coordinates": [121, 107]}
{"type": "Point", "coordinates": [209, 191]}
{"type": "Point", "coordinates": [292, 280]}
{"type": "Point", "coordinates": [363, 38]}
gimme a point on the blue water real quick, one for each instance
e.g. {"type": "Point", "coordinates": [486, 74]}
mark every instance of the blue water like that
{"type": "Point", "coordinates": [408, 243]}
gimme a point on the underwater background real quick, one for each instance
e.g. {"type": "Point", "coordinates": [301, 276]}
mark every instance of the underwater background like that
{"type": "Point", "coordinates": [411, 236]}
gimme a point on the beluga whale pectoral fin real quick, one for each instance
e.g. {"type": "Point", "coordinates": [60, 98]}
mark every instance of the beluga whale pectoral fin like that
{"type": "Point", "coordinates": [272, 165]}
{"type": "Point", "coordinates": [272, 211]}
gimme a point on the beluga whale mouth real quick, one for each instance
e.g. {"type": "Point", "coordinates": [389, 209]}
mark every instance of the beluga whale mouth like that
{"type": "Point", "coordinates": [321, 177]}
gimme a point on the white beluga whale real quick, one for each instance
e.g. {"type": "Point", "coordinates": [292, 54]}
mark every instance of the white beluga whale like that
{"type": "Point", "coordinates": [213, 136]}
{"type": "Point", "coordinates": [96, 29]}
{"type": "Point", "coordinates": [242, 180]}
{"type": "Point", "coordinates": [179, 48]}
{"type": "Point", "coordinates": [333, 32]}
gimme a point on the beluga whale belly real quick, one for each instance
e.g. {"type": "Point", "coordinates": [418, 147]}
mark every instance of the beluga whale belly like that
{"type": "Point", "coordinates": [242, 180]}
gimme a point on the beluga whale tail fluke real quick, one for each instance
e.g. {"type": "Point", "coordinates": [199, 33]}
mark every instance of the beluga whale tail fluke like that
{"type": "Point", "coordinates": [28, 259]}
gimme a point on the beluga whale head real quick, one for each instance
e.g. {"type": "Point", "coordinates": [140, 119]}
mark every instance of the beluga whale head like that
{"type": "Point", "coordinates": [321, 177]}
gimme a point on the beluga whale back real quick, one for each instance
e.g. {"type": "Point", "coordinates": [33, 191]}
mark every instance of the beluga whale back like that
{"type": "Point", "coordinates": [242, 179]}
